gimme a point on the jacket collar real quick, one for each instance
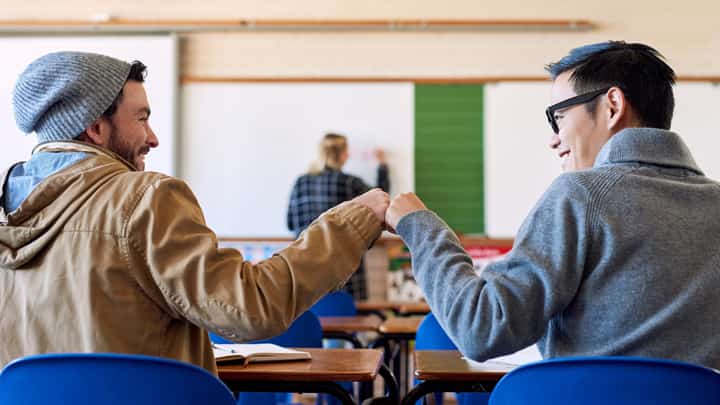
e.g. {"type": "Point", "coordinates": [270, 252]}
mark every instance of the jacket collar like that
{"type": "Point", "coordinates": [649, 146]}
{"type": "Point", "coordinates": [59, 146]}
{"type": "Point", "coordinates": [3, 179]}
{"type": "Point", "coordinates": [77, 146]}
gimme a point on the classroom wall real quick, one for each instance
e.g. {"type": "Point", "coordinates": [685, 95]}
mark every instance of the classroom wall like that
{"type": "Point", "coordinates": [684, 31]}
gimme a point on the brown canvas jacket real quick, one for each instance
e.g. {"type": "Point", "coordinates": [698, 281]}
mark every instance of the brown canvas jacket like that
{"type": "Point", "coordinates": [103, 258]}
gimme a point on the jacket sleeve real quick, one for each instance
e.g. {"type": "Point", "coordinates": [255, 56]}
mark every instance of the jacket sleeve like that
{"type": "Point", "coordinates": [508, 306]}
{"type": "Point", "coordinates": [216, 289]}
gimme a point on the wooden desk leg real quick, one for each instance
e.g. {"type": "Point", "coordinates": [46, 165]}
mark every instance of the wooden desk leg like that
{"type": "Point", "coordinates": [397, 369]}
{"type": "Point", "coordinates": [392, 397]}
{"type": "Point", "coordinates": [390, 384]}
{"type": "Point", "coordinates": [405, 363]}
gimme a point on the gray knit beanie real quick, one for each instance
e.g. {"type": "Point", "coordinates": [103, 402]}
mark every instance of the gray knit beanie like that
{"type": "Point", "coordinates": [60, 94]}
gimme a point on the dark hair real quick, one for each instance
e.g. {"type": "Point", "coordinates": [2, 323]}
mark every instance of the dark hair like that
{"type": "Point", "coordinates": [138, 71]}
{"type": "Point", "coordinates": [639, 70]}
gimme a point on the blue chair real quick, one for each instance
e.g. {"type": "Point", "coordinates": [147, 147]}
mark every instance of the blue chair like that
{"type": "Point", "coordinates": [336, 303]}
{"type": "Point", "coordinates": [305, 331]}
{"type": "Point", "coordinates": [108, 379]}
{"type": "Point", "coordinates": [608, 380]}
{"type": "Point", "coordinates": [431, 336]}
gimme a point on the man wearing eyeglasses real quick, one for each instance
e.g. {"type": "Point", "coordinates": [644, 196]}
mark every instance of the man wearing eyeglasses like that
{"type": "Point", "coordinates": [619, 255]}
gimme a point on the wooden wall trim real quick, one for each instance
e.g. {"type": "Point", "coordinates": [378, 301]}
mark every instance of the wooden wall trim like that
{"type": "Point", "coordinates": [108, 23]}
{"type": "Point", "coordinates": [188, 79]}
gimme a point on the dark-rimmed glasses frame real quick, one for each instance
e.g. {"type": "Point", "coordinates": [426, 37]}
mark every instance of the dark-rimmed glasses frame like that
{"type": "Point", "coordinates": [581, 99]}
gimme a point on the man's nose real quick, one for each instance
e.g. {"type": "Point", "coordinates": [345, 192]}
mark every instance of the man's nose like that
{"type": "Point", "coordinates": [153, 140]}
{"type": "Point", "coordinates": [554, 141]}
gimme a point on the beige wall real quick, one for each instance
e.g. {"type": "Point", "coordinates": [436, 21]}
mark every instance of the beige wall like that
{"type": "Point", "coordinates": [686, 32]}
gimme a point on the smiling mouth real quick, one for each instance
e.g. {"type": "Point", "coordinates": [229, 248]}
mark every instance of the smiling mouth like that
{"type": "Point", "coordinates": [564, 153]}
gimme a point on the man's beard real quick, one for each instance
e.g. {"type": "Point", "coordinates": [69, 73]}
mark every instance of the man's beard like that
{"type": "Point", "coordinates": [116, 144]}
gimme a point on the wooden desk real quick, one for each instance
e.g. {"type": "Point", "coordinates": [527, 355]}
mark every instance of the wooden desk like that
{"type": "Point", "coordinates": [447, 371]}
{"type": "Point", "coordinates": [345, 327]}
{"type": "Point", "coordinates": [350, 324]}
{"type": "Point", "coordinates": [317, 375]}
{"type": "Point", "coordinates": [401, 326]}
{"type": "Point", "coordinates": [415, 308]}
{"type": "Point", "coordinates": [401, 308]}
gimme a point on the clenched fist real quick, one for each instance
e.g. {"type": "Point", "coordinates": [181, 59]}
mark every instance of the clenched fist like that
{"type": "Point", "coordinates": [375, 199]}
{"type": "Point", "coordinates": [400, 206]}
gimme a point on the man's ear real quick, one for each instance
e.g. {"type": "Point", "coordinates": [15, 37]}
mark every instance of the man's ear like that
{"type": "Point", "coordinates": [98, 133]}
{"type": "Point", "coordinates": [618, 109]}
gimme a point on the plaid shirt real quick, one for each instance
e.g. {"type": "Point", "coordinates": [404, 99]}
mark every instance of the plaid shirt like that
{"type": "Point", "coordinates": [314, 194]}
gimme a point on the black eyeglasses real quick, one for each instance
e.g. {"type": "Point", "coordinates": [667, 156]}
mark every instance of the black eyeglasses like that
{"type": "Point", "coordinates": [581, 99]}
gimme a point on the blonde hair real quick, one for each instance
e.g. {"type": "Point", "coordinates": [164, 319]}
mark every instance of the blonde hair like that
{"type": "Point", "coordinates": [330, 153]}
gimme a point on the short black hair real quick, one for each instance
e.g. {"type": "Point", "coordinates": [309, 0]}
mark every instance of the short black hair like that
{"type": "Point", "coordinates": [138, 71]}
{"type": "Point", "coordinates": [638, 69]}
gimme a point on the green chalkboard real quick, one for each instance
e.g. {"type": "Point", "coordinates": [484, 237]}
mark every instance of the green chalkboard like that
{"type": "Point", "coordinates": [449, 153]}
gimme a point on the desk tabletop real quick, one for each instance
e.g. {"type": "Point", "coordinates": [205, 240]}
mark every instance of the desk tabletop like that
{"type": "Point", "coordinates": [326, 365]}
{"type": "Point", "coordinates": [401, 325]}
{"type": "Point", "coordinates": [449, 365]}
{"type": "Point", "coordinates": [350, 324]}
{"type": "Point", "coordinates": [414, 308]}
{"type": "Point", "coordinates": [397, 306]}
{"type": "Point", "coordinates": [380, 305]}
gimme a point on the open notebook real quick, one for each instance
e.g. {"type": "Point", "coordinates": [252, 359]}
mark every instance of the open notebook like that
{"type": "Point", "coordinates": [256, 352]}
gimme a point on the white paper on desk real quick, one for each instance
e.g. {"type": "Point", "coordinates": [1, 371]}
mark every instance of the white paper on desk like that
{"type": "Point", "coordinates": [257, 352]}
{"type": "Point", "coordinates": [527, 355]}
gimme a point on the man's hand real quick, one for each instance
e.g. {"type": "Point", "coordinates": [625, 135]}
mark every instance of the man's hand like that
{"type": "Point", "coordinates": [400, 206]}
{"type": "Point", "coordinates": [375, 199]}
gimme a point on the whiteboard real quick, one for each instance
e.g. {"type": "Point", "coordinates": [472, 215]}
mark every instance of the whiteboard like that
{"type": "Point", "coordinates": [244, 144]}
{"type": "Point", "coordinates": [697, 121]}
{"type": "Point", "coordinates": [519, 165]}
{"type": "Point", "coordinates": [158, 52]}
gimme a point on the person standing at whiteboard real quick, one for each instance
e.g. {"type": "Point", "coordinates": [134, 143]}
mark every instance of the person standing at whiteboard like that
{"type": "Point", "coordinates": [97, 255]}
{"type": "Point", "coordinates": [324, 186]}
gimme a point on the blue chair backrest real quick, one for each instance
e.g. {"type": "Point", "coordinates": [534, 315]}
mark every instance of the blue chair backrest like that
{"type": "Point", "coordinates": [218, 339]}
{"type": "Point", "coordinates": [305, 331]}
{"type": "Point", "coordinates": [108, 379]}
{"type": "Point", "coordinates": [608, 380]}
{"type": "Point", "coordinates": [336, 303]}
{"type": "Point", "coordinates": [431, 336]}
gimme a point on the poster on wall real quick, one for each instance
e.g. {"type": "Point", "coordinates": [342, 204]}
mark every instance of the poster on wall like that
{"type": "Point", "coordinates": [401, 285]}
{"type": "Point", "coordinates": [482, 255]}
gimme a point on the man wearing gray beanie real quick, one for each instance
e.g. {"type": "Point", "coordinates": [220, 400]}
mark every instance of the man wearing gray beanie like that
{"type": "Point", "coordinates": [98, 256]}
